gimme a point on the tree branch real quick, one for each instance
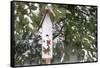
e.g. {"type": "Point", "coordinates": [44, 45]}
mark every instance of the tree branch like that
{"type": "Point", "coordinates": [59, 32]}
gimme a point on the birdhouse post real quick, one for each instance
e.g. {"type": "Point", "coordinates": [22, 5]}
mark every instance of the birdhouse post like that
{"type": "Point", "coordinates": [47, 50]}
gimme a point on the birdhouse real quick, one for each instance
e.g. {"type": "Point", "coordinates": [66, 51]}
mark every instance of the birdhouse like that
{"type": "Point", "coordinates": [47, 44]}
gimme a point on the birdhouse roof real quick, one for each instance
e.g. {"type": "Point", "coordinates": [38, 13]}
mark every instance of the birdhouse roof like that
{"type": "Point", "coordinates": [44, 15]}
{"type": "Point", "coordinates": [48, 12]}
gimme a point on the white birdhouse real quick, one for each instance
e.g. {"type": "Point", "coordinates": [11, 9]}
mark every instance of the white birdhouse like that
{"type": "Point", "coordinates": [47, 37]}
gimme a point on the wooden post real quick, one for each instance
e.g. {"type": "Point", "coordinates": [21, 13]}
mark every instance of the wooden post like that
{"type": "Point", "coordinates": [46, 61]}
{"type": "Point", "coordinates": [47, 40]}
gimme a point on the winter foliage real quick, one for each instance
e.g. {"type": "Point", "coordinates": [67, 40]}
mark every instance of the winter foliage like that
{"type": "Point", "coordinates": [74, 33]}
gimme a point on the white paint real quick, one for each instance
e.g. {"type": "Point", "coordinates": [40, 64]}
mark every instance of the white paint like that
{"type": "Point", "coordinates": [44, 45]}
{"type": "Point", "coordinates": [47, 30]}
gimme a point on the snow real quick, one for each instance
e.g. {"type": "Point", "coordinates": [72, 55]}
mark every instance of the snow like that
{"type": "Point", "coordinates": [62, 57]}
{"type": "Point", "coordinates": [68, 11]}
{"type": "Point", "coordinates": [17, 18]}
{"type": "Point", "coordinates": [36, 12]}
{"type": "Point", "coordinates": [27, 17]}
{"type": "Point", "coordinates": [85, 56]}
{"type": "Point", "coordinates": [59, 11]}
{"type": "Point", "coordinates": [26, 53]}
{"type": "Point", "coordinates": [25, 7]}
{"type": "Point", "coordinates": [31, 26]}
